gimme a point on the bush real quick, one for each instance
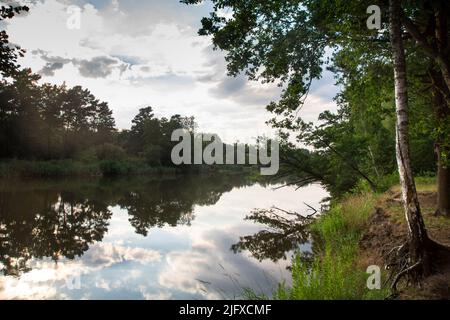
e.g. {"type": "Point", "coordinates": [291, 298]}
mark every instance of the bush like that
{"type": "Point", "coordinates": [109, 151]}
{"type": "Point", "coordinates": [87, 156]}
{"type": "Point", "coordinates": [106, 151]}
{"type": "Point", "coordinates": [54, 168]}
{"type": "Point", "coordinates": [113, 168]}
{"type": "Point", "coordinates": [382, 183]}
{"type": "Point", "coordinates": [152, 155]}
{"type": "Point", "coordinates": [3, 169]}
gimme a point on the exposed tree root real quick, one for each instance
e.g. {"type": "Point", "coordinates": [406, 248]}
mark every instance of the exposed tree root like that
{"type": "Point", "coordinates": [440, 213]}
{"type": "Point", "coordinates": [402, 268]}
{"type": "Point", "coordinates": [404, 272]}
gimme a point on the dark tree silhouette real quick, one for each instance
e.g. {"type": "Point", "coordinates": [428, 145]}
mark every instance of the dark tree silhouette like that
{"type": "Point", "coordinates": [63, 219]}
{"type": "Point", "coordinates": [9, 53]}
{"type": "Point", "coordinates": [47, 223]}
{"type": "Point", "coordinates": [286, 232]}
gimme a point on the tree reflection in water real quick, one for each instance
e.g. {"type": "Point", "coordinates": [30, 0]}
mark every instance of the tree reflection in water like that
{"type": "Point", "coordinates": [37, 223]}
{"type": "Point", "coordinates": [169, 202]}
{"type": "Point", "coordinates": [286, 232]}
{"type": "Point", "coordinates": [61, 219]}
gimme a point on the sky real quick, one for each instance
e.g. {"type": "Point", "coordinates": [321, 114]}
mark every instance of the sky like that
{"type": "Point", "coordinates": [138, 53]}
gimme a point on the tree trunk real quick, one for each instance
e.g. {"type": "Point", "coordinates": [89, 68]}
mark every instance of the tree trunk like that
{"type": "Point", "coordinates": [443, 194]}
{"type": "Point", "coordinates": [443, 176]}
{"type": "Point", "coordinates": [417, 234]}
{"type": "Point", "coordinates": [441, 35]}
{"type": "Point", "coordinates": [445, 69]}
{"type": "Point", "coordinates": [442, 112]}
{"type": "Point", "coordinates": [438, 50]}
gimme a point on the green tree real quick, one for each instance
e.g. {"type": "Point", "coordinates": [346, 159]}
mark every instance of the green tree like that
{"type": "Point", "coordinates": [427, 22]}
{"type": "Point", "coordinates": [9, 53]}
{"type": "Point", "coordinates": [419, 251]}
{"type": "Point", "coordinates": [150, 137]}
{"type": "Point", "coordinates": [286, 42]}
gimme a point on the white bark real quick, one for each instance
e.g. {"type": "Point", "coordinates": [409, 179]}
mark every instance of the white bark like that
{"type": "Point", "coordinates": [416, 228]}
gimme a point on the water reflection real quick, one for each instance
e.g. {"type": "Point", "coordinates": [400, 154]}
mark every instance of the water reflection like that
{"type": "Point", "coordinates": [143, 238]}
{"type": "Point", "coordinates": [157, 203]}
{"type": "Point", "coordinates": [38, 220]}
{"type": "Point", "coordinates": [43, 223]}
{"type": "Point", "coordinates": [286, 232]}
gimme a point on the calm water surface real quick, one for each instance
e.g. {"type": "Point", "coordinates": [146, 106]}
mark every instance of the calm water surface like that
{"type": "Point", "coordinates": [143, 238]}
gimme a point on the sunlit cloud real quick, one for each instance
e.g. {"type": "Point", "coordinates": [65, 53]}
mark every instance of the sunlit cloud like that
{"type": "Point", "coordinates": [48, 279]}
{"type": "Point", "coordinates": [138, 53]}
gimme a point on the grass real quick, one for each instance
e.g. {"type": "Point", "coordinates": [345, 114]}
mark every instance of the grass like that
{"type": "Point", "coordinates": [54, 168]}
{"type": "Point", "coordinates": [424, 185]}
{"type": "Point", "coordinates": [333, 273]}
{"type": "Point", "coordinates": [66, 168]}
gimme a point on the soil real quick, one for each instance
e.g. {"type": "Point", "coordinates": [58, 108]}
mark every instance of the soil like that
{"type": "Point", "coordinates": [387, 229]}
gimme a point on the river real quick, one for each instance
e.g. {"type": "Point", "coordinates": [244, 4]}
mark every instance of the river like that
{"type": "Point", "coordinates": [148, 238]}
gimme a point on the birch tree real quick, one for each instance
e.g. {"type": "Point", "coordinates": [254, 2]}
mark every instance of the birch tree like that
{"type": "Point", "coordinates": [417, 234]}
{"type": "Point", "coordinates": [287, 42]}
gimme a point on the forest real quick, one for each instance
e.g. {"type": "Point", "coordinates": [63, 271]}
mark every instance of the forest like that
{"type": "Point", "coordinates": [390, 135]}
{"type": "Point", "coordinates": [44, 127]}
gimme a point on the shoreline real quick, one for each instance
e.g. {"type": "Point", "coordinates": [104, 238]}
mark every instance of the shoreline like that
{"type": "Point", "coordinates": [102, 168]}
{"type": "Point", "coordinates": [358, 232]}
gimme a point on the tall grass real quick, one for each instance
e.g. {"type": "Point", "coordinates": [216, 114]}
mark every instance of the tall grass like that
{"type": "Point", "coordinates": [66, 168]}
{"type": "Point", "coordinates": [332, 273]}
{"type": "Point", "coordinates": [53, 168]}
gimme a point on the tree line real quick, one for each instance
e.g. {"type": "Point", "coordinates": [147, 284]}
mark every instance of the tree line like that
{"type": "Point", "coordinates": [48, 122]}
{"type": "Point", "coordinates": [42, 122]}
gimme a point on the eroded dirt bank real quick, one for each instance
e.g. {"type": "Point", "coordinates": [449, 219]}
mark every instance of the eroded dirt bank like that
{"type": "Point", "coordinates": [387, 229]}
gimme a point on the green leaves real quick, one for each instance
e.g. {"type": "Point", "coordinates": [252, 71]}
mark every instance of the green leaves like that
{"type": "Point", "coordinates": [9, 53]}
{"type": "Point", "coordinates": [48, 121]}
{"type": "Point", "coordinates": [269, 41]}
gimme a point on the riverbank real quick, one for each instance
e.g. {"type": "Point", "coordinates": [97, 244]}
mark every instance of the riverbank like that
{"type": "Point", "coordinates": [69, 168]}
{"type": "Point", "coordinates": [357, 232]}
{"type": "Point", "coordinates": [98, 168]}
{"type": "Point", "coordinates": [387, 229]}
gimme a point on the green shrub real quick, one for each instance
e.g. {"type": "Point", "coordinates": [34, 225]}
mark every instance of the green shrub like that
{"type": "Point", "coordinates": [113, 168]}
{"type": "Point", "coordinates": [152, 155]}
{"type": "Point", "coordinates": [382, 183]}
{"type": "Point", "coordinates": [53, 168]}
{"type": "Point", "coordinates": [109, 151]}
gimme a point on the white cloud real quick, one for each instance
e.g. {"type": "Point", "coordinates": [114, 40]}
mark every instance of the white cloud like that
{"type": "Point", "coordinates": [138, 53]}
{"type": "Point", "coordinates": [47, 278]}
